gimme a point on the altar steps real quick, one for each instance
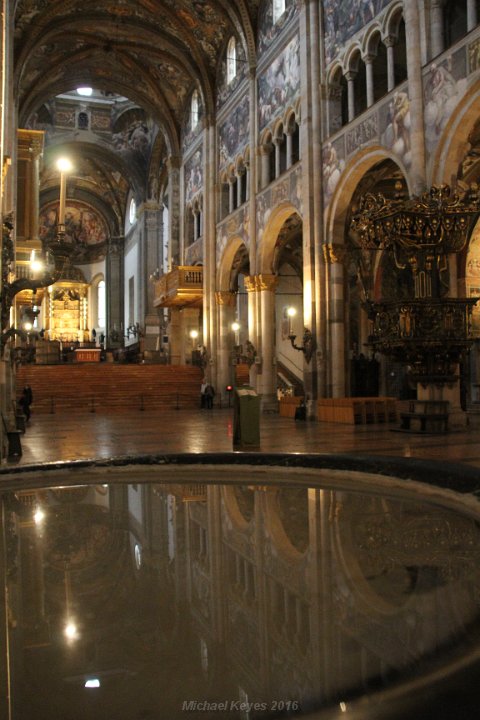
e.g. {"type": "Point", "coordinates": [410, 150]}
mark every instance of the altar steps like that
{"type": "Point", "coordinates": [106, 387]}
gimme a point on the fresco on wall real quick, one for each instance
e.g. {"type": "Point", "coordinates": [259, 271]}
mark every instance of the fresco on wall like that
{"type": "Point", "coordinates": [83, 224]}
{"type": "Point", "coordinates": [268, 31]}
{"type": "Point", "coordinates": [344, 19]}
{"type": "Point", "coordinates": [472, 273]}
{"type": "Point", "coordinates": [333, 161]}
{"type": "Point", "coordinates": [193, 175]}
{"type": "Point", "coordinates": [387, 125]}
{"type": "Point", "coordinates": [233, 134]}
{"type": "Point", "coordinates": [237, 225]}
{"type": "Point", "coordinates": [190, 134]}
{"type": "Point", "coordinates": [280, 84]}
{"type": "Point", "coordinates": [444, 84]}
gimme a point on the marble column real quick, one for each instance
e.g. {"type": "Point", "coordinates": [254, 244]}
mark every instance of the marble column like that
{"type": "Point", "coordinates": [231, 195]}
{"type": "Point", "coordinates": [289, 148]}
{"type": "Point", "coordinates": [173, 166]}
{"type": "Point", "coordinates": [266, 378]}
{"type": "Point", "coordinates": [115, 290]}
{"type": "Point", "coordinates": [368, 60]}
{"type": "Point", "coordinates": [334, 256]}
{"type": "Point", "coordinates": [471, 15]}
{"type": "Point", "coordinates": [437, 38]}
{"type": "Point", "coordinates": [152, 239]}
{"type": "Point", "coordinates": [265, 151]}
{"type": "Point", "coordinates": [350, 77]}
{"type": "Point", "coordinates": [390, 45]}
{"type": "Point", "coordinates": [415, 94]}
{"type": "Point", "coordinates": [225, 303]}
{"type": "Point", "coordinates": [277, 144]}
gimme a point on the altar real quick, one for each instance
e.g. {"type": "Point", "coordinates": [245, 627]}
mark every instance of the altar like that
{"type": "Point", "coordinates": [87, 355]}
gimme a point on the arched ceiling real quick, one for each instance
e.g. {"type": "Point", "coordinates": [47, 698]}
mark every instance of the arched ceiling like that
{"type": "Point", "coordinates": [144, 54]}
{"type": "Point", "coordinates": [153, 52]}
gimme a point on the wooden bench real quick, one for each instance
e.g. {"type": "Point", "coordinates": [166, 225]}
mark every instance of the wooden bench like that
{"type": "Point", "coordinates": [13, 437]}
{"type": "Point", "coordinates": [428, 416]}
{"type": "Point", "coordinates": [357, 410]}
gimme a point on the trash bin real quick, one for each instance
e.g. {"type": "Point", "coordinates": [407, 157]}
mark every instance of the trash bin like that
{"type": "Point", "coordinates": [246, 418]}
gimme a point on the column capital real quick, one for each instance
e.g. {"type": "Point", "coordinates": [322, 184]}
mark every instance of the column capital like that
{"type": "Point", "coordinates": [225, 297]}
{"type": "Point", "coordinates": [257, 283]}
{"type": "Point", "coordinates": [334, 253]}
{"type": "Point", "coordinates": [350, 75]}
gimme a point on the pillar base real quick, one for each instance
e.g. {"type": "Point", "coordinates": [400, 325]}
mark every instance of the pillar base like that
{"type": "Point", "coordinates": [269, 404]}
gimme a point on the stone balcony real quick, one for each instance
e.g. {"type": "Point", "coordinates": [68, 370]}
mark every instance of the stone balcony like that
{"type": "Point", "coordinates": [181, 287]}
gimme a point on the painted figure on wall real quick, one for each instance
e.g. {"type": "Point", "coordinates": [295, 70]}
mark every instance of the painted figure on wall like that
{"type": "Point", "coordinates": [234, 133]}
{"type": "Point", "coordinates": [280, 84]}
{"type": "Point", "coordinates": [344, 19]}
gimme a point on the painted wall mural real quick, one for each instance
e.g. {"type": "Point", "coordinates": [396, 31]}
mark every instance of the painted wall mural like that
{"type": "Point", "coordinates": [344, 19]}
{"type": "Point", "coordinates": [193, 175]}
{"type": "Point", "coordinates": [280, 84]}
{"type": "Point", "coordinates": [388, 125]}
{"type": "Point", "coordinates": [224, 89]}
{"type": "Point", "coordinates": [133, 137]}
{"type": "Point", "coordinates": [268, 31]}
{"type": "Point", "coordinates": [194, 253]}
{"type": "Point", "coordinates": [82, 223]}
{"type": "Point", "coordinates": [237, 225]}
{"type": "Point", "coordinates": [233, 134]}
{"type": "Point", "coordinates": [444, 84]}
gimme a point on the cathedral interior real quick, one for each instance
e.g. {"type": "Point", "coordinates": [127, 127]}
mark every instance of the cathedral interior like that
{"type": "Point", "coordinates": [246, 236]}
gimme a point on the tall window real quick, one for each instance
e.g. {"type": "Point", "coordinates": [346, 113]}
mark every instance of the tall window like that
{"type": "Point", "coordinates": [231, 60]}
{"type": "Point", "coordinates": [278, 9]}
{"type": "Point", "coordinates": [101, 306]}
{"type": "Point", "coordinates": [194, 109]}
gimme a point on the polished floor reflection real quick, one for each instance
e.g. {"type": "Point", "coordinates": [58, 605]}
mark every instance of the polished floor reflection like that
{"type": "Point", "coordinates": [90, 435]}
{"type": "Point", "coordinates": [165, 601]}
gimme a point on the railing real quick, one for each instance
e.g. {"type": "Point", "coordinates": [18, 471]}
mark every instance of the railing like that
{"type": "Point", "coordinates": [181, 286]}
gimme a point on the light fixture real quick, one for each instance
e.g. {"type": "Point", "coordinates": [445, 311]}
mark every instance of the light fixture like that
{"type": "Point", "coordinates": [194, 334]}
{"type": "Point", "coordinates": [92, 683]}
{"type": "Point", "coordinates": [291, 312]}
{"type": "Point", "coordinates": [235, 326]}
{"type": "Point", "coordinates": [71, 632]}
{"type": "Point", "coordinates": [38, 516]}
{"type": "Point", "coordinates": [85, 91]}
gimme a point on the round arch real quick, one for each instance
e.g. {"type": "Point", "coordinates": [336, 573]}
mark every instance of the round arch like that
{"type": "Point", "coordinates": [453, 145]}
{"type": "Point", "coordinates": [275, 221]}
{"type": "Point", "coordinates": [226, 260]}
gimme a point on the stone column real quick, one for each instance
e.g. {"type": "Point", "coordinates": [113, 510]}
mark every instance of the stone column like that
{"type": "Point", "coordinates": [368, 60]}
{"type": "Point", "coordinates": [231, 195]}
{"type": "Point", "coordinates": [471, 15]}
{"type": "Point", "coordinates": [289, 149]}
{"type": "Point", "coordinates": [436, 27]}
{"type": "Point", "coordinates": [173, 166]}
{"type": "Point", "coordinates": [334, 256]}
{"type": "Point", "coordinates": [176, 337]}
{"type": "Point", "coordinates": [390, 45]}
{"type": "Point", "coordinates": [115, 291]}
{"type": "Point", "coordinates": [196, 233]}
{"type": "Point", "coordinates": [415, 93]}
{"type": "Point", "coordinates": [350, 77]}
{"type": "Point", "coordinates": [265, 151]}
{"type": "Point", "coordinates": [277, 143]}
{"type": "Point", "coordinates": [247, 181]}
{"type": "Point", "coordinates": [225, 303]}
{"type": "Point", "coordinates": [266, 378]}
{"type": "Point", "coordinates": [239, 188]}
{"type": "Point", "coordinates": [152, 239]}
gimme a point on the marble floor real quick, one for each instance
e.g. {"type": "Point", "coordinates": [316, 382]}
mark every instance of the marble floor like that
{"type": "Point", "coordinates": [59, 437]}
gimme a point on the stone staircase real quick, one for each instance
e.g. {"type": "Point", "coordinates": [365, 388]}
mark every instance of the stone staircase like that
{"type": "Point", "coordinates": [107, 387]}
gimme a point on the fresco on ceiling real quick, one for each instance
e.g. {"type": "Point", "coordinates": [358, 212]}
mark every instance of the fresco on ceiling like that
{"type": "Point", "coordinates": [224, 89]}
{"type": "Point", "coordinates": [133, 136]}
{"type": "Point", "coordinates": [233, 134]}
{"type": "Point", "coordinates": [444, 84]}
{"type": "Point", "coordinates": [193, 175]}
{"type": "Point", "coordinates": [344, 19]}
{"type": "Point", "coordinates": [82, 223]}
{"type": "Point", "coordinates": [204, 22]}
{"type": "Point", "coordinates": [280, 84]}
{"type": "Point", "coordinates": [268, 31]}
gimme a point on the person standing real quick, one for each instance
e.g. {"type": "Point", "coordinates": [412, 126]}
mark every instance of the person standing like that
{"type": "Point", "coordinates": [203, 388]}
{"type": "Point", "coordinates": [209, 395]}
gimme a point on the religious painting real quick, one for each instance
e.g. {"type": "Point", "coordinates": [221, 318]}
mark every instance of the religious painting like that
{"type": "Point", "coordinates": [344, 19]}
{"type": "Point", "coordinates": [193, 175]}
{"type": "Point", "coordinates": [444, 83]}
{"type": "Point", "coordinates": [472, 277]}
{"type": "Point", "coordinates": [395, 125]}
{"type": "Point", "coordinates": [268, 30]}
{"type": "Point", "coordinates": [83, 224]}
{"type": "Point", "coordinates": [224, 88]}
{"type": "Point", "coordinates": [280, 84]}
{"type": "Point", "coordinates": [133, 136]}
{"type": "Point", "coordinates": [233, 133]}
{"type": "Point", "coordinates": [333, 162]}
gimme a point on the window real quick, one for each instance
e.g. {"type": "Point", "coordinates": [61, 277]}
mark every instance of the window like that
{"type": "Point", "coordinates": [231, 60]}
{"type": "Point", "coordinates": [101, 305]}
{"type": "Point", "coordinates": [132, 213]}
{"type": "Point", "coordinates": [194, 109]}
{"type": "Point", "coordinates": [278, 9]}
{"type": "Point", "coordinates": [82, 121]}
